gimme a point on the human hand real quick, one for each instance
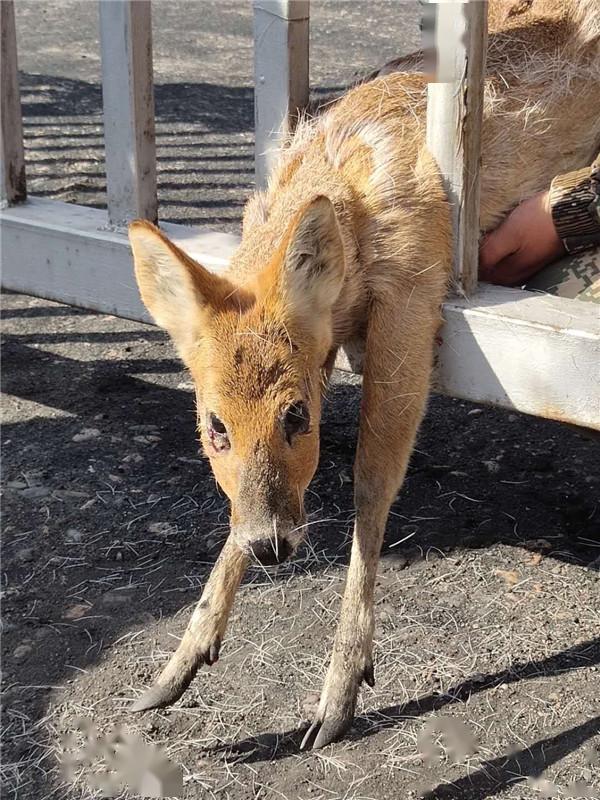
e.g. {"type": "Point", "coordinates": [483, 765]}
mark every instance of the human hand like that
{"type": "Point", "coordinates": [521, 245]}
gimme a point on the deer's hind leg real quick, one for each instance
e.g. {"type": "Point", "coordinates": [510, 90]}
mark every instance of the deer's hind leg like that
{"type": "Point", "coordinates": [397, 368]}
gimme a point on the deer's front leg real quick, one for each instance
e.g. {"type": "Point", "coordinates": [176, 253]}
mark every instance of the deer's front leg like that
{"type": "Point", "coordinates": [202, 639]}
{"type": "Point", "coordinates": [351, 659]}
{"type": "Point", "coordinates": [395, 387]}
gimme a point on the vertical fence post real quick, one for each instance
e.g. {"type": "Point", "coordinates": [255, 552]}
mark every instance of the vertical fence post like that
{"type": "Point", "coordinates": [454, 115]}
{"type": "Point", "coordinates": [128, 99]}
{"type": "Point", "coordinates": [281, 30]}
{"type": "Point", "coordinates": [12, 159]}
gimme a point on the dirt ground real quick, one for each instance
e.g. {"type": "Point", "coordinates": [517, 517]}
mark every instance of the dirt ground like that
{"type": "Point", "coordinates": [488, 596]}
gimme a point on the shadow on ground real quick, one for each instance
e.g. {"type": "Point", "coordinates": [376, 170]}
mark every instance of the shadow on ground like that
{"type": "Point", "coordinates": [276, 746]}
{"type": "Point", "coordinates": [204, 141]}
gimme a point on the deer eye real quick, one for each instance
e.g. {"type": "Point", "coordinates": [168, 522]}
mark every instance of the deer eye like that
{"type": "Point", "coordinates": [217, 433]}
{"type": "Point", "coordinates": [296, 420]}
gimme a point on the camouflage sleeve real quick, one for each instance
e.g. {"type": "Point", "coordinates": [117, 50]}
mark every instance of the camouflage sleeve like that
{"type": "Point", "coordinates": [575, 203]}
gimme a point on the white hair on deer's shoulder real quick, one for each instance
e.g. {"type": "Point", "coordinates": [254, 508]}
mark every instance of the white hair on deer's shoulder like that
{"type": "Point", "coordinates": [336, 135]}
{"type": "Point", "coordinates": [301, 135]}
{"type": "Point", "coordinates": [586, 15]}
{"type": "Point", "coordinates": [381, 143]}
{"type": "Point", "coordinates": [255, 210]}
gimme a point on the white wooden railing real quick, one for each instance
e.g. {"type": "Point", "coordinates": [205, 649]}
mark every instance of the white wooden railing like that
{"type": "Point", "coordinates": [535, 353]}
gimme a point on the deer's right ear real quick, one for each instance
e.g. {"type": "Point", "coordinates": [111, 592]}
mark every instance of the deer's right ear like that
{"type": "Point", "coordinates": [175, 289]}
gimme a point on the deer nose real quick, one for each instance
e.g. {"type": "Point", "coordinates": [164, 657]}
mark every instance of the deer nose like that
{"type": "Point", "coordinates": [271, 551]}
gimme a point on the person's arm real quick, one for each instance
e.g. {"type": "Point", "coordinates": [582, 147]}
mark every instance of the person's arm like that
{"type": "Point", "coordinates": [575, 203]}
{"type": "Point", "coordinates": [565, 218]}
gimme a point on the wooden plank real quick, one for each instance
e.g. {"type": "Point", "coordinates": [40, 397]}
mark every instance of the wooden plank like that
{"type": "Point", "coordinates": [12, 158]}
{"type": "Point", "coordinates": [454, 114]}
{"type": "Point", "coordinates": [281, 49]}
{"type": "Point", "coordinates": [69, 253]}
{"type": "Point", "coordinates": [128, 97]}
{"type": "Point", "coordinates": [534, 353]}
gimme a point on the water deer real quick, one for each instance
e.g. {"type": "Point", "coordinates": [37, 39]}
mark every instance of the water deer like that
{"type": "Point", "coordinates": [350, 245]}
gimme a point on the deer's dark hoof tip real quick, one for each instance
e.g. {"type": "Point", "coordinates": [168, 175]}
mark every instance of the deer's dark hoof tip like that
{"type": "Point", "coordinates": [156, 697]}
{"type": "Point", "coordinates": [320, 734]}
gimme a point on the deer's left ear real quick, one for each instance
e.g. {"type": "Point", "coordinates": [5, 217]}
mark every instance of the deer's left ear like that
{"type": "Point", "coordinates": [178, 292]}
{"type": "Point", "coordinates": [313, 268]}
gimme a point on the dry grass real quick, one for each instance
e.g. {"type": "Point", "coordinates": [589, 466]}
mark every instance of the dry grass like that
{"type": "Point", "coordinates": [467, 625]}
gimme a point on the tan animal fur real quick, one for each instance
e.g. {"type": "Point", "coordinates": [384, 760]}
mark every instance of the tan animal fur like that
{"type": "Point", "coordinates": [351, 242]}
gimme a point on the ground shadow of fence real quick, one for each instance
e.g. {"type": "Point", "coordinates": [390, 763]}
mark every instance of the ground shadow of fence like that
{"type": "Point", "coordinates": [205, 146]}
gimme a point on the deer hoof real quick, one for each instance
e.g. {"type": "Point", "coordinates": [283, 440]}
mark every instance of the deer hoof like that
{"type": "Point", "coordinates": [157, 697]}
{"type": "Point", "coordinates": [176, 677]}
{"type": "Point", "coordinates": [326, 731]}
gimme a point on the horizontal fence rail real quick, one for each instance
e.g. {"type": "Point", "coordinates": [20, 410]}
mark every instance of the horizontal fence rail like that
{"type": "Point", "coordinates": [520, 350]}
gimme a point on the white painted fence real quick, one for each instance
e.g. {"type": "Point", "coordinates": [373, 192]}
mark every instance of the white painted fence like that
{"type": "Point", "coordinates": [534, 353]}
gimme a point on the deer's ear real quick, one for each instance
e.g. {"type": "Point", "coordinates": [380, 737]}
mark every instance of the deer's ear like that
{"type": "Point", "coordinates": [313, 268]}
{"type": "Point", "coordinates": [177, 291]}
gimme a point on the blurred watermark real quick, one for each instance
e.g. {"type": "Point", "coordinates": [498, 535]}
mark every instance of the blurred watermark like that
{"type": "Point", "coordinates": [446, 735]}
{"type": "Point", "coordinates": [443, 32]}
{"type": "Point", "coordinates": [447, 738]}
{"type": "Point", "coordinates": [117, 760]}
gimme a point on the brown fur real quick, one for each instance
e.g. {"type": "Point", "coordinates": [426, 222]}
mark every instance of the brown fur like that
{"type": "Point", "coordinates": [352, 242]}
